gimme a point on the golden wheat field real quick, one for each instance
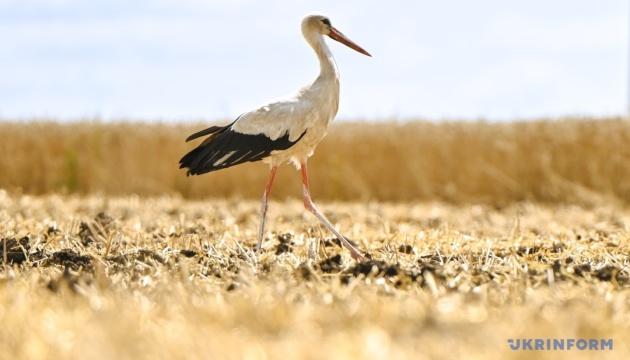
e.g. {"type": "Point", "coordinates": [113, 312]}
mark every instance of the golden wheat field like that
{"type": "Point", "coordinates": [574, 160]}
{"type": "Point", "coordinates": [475, 234]}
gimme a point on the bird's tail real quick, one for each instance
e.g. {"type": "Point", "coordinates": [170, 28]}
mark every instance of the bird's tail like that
{"type": "Point", "coordinates": [194, 157]}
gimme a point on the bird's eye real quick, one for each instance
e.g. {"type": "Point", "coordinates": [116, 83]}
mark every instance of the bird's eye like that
{"type": "Point", "coordinates": [326, 21]}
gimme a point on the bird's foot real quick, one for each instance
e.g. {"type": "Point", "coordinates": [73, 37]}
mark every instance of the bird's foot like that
{"type": "Point", "coordinates": [357, 256]}
{"type": "Point", "coordinates": [354, 252]}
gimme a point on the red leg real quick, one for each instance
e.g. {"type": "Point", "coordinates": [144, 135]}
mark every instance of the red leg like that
{"type": "Point", "coordinates": [310, 206]}
{"type": "Point", "coordinates": [263, 206]}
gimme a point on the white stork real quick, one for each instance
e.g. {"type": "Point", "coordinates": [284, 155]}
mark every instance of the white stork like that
{"type": "Point", "coordinates": [281, 131]}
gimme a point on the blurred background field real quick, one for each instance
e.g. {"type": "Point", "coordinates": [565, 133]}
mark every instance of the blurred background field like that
{"type": "Point", "coordinates": [563, 160]}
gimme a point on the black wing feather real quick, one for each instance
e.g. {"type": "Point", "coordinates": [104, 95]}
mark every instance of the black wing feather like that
{"type": "Point", "coordinates": [210, 130]}
{"type": "Point", "coordinates": [227, 148]}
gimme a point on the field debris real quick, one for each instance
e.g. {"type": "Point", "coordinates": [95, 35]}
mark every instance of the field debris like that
{"type": "Point", "coordinates": [122, 275]}
{"type": "Point", "coordinates": [285, 243]}
{"type": "Point", "coordinates": [97, 229]}
{"type": "Point", "coordinates": [16, 250]}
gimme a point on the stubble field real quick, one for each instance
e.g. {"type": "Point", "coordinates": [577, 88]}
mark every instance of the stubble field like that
{"type": "Point", "coordinates": [164, 277]}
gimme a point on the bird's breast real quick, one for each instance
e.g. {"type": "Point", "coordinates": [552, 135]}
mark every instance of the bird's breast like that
{"type": "Point", "coordinates": [325, 99]}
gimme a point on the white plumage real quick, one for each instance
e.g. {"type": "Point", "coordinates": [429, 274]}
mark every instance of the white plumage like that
{"type": "Point", "coordinates": [281, 131]}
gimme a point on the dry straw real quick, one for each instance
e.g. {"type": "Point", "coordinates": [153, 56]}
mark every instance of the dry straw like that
{"type": "Point", "coordinates": [576, 160]}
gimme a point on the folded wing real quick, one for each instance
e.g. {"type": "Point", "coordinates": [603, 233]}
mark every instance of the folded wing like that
{"type": "Point", "coordinates": [251, 137]}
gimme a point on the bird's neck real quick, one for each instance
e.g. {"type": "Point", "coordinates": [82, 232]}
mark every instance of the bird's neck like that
{"type": "Point", "coordinates": [327, 65]}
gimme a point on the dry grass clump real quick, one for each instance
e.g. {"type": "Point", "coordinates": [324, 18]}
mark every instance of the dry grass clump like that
{"type": "Point", "coordinates": [572, 160]}
{"type": "Point", "coordinates": [99, 277]}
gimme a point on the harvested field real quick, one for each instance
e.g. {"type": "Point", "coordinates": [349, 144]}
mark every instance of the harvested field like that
{"type": "Point", "coordinates": [164, 277]}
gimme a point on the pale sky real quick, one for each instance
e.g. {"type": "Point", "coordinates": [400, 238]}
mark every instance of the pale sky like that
{"type": "Point", "coordinates": [191, 60]}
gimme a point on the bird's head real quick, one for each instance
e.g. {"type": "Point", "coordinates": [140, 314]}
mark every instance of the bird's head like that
{"type": "Point", "coordinates": [320, 24]}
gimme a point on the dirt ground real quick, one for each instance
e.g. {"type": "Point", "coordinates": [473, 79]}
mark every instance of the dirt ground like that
{"type": "Point", "coordinates": [129, 277]}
